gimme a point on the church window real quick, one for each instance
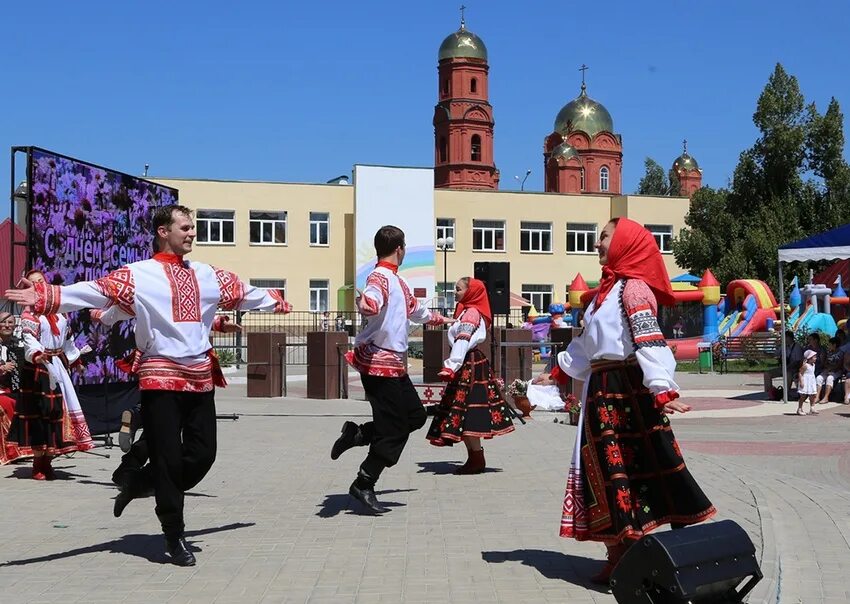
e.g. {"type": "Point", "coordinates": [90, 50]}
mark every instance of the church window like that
{"type": "Point", "coordinates": [476, 148]}
{"type": "Point", "coordinates": [603, 178]}
{"type": "Point", "coordinates": [444, 149]}
{"type": "Point", "coordinates": [473, 85]}
{"type": "Point", "coordinates": [446, 86]}
{"type": "Point", "coordinates": [582, 179]}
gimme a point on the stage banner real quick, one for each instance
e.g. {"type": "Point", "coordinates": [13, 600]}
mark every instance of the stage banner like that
{"type": "Point", "coordinates": [402, 197]}
{"type": "Point", "coordinates": [86, 221]}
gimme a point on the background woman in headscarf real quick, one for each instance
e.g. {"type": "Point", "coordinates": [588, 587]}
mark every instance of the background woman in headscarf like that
{"type": "Point", "coordinates": [472, 406]}
{"type": "Point", "coordinates": [627, 475]}
{"type": "Point", "coordinates": [48, 418]}
{"type": "Point", "coordinates": [11, 359]}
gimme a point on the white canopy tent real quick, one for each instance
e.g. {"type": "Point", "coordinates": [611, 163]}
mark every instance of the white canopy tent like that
{"type": "Point", "coordinates": [830, 245]}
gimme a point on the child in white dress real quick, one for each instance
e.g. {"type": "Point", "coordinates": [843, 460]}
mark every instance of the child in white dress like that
{"type": "Point", "coordinates": [808, 384]}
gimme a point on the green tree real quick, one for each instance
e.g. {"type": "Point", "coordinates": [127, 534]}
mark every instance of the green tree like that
{"type": "Point", "coordinates": [791, 183]}
{"type": "Point", "coordinates": [654, 181]}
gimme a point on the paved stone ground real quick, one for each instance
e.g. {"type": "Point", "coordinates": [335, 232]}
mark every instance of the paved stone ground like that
{"type": "Point", "coordinates": [272, 522]}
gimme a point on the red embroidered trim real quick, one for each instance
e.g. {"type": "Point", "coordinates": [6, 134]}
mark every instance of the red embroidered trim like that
{"type": "Point", "coordinates": [382, 284]}
{"type": "Point", "coordinates": [185, 293]}
{"type": "Point", "coordinates": [159, 373]}
{"type": "Point", "coordinates": [446, 374]}
{"type": "Point", "coordinates": [119, 287]}
{"type": "Point", "coordinates": [409, 300]}
{"type": "Point", "coordinates": [372, 360]}
{"type": "Point", "coordinates": [282, 305]}
{"type": "Point", "coordinates": [558, 375]}
{"type": "Point", "coordinates": [231, 289]}
{"type": "Point", "coordinates": [30, 324]}
{"type": "Point", "coordinates": [662, 398]}
{"type": "Point", "coordinates": [167, 258]}
{"type": "Point", "coordinates": [389, 265]}
{"type": "Point", "coordinates": [47, 299]}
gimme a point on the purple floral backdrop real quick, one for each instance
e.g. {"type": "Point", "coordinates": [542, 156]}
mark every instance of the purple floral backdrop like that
{"type": "Point", "coordinates": [85, 222]}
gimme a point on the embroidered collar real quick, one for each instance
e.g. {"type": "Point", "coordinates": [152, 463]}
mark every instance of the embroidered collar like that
{"type": "Point", "coordinates": [167, 258]}
{"type": "Point", "coordinates": [389, 265]}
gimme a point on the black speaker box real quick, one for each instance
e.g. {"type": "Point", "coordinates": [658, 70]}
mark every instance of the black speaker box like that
{"type": "Point", "coordinates": [497, 277]}
{"type": "Point", "coordinates": [700, 564]}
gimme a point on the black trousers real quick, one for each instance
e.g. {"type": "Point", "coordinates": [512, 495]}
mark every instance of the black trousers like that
{"type": "Point", "coordinates": [181, 436]}
{"type": "Point", "coordinates": [396, 412]}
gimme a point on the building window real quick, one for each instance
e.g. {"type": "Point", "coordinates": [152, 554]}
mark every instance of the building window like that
{"type": "Point", "coordinates": [215, 226]}
{"type": "Point", "coordinates": [488, 235]}
{"type": "Point", "coordinates": [444, 149]}
{"type": "Point", "coordinates": [476, 148]}
{"type": "Point", "coordinates": [581, 238]}
{"type": "Point", "coordinates": [582, 179]}
{"type": "Point", "coordinates": [603, 179]}
{"type": "Point", "coordinates": [663, 234]}
{"type": "Point", "coordinates": [446, 229]}
{"type": "Point", "coordinates": [278, 284]}
{"type": "Point", "coordinates": [535, 236]}
{"type": "Point", "coordinates": [445, 86]}
{"type": "Point", "coordinates": [319, 295]}
{"type": "Point", "coordinates": [473, 85]}
{"type": "Point", "coordinates": [268, 227]}
{"type": "Point", "coordinates": [539, 295]}
{"type": "Point", "coordinates": [319, 226]}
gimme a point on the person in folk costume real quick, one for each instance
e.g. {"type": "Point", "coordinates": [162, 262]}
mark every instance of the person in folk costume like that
{"type": "Point", "coordinates": [48, 418]}
{"type": "Point", "coordinates": [11, 362]}
{"type": "Point", "coordinates": [174, 302]}
{"type": "Point", "coordinates": [627, 476]}
{"type": "Point", "coordinates": [379, 355]}
{"type": "Point", "coordinates": [472, 406]}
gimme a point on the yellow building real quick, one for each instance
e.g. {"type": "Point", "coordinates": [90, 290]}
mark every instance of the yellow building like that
{"type": "Point", "coordinates": [300, 237]}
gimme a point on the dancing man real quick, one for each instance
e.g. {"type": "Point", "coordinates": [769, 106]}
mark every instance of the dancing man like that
{"type": "Point", "coordinates": [379, 355]}
{"type": "Point", "coordinates": [174, 302]}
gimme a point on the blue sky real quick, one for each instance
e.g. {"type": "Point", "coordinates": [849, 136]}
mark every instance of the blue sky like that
{"type": "Point", "coordinates": [301, 91]}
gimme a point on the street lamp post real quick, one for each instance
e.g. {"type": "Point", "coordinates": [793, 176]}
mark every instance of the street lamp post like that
{"type": "Point", "coordinates": [522, 185]}
{"type": "Point", "coordinates": [445, 243]}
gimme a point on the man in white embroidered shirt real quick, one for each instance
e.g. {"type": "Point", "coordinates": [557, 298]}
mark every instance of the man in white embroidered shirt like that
{"type": "Point", "coordinates": [174, 302]}
{"type": "Point", "coordinates": [379, 355]}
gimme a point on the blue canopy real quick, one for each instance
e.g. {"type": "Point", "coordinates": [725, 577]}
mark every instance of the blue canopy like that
{"type": "Point", "coordinates": [830, 245]}
{"type": "Point", "coordinates": [686, 278]}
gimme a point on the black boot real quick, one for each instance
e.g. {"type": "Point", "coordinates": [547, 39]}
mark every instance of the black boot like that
{"type": "Point", "coordinates": [177, 548]}
{"type": "Point", "coordinates": [350, 437]}
{"type": "Point", "coordinates": [132, 484]}
{"type": "Point", "coordinates": [363, 490]}
{"type": "Point", "coordinates": [131, 419]}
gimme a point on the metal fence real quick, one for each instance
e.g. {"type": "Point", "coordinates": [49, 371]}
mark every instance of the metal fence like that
{"type": "Point", "coordinates": [232, 348]}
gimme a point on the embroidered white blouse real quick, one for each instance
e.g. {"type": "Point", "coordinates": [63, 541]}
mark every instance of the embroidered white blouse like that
{"type": "Point", "coordinates": [389, 306]}
{"type": "Point", "coordinates": [174, 302]}
{"type": "Point", "coordinates": [608, 335]}
{"type": "Point", "coordinates": [467, 333]}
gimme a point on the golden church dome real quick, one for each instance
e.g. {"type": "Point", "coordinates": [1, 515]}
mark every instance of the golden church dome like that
{"type": "Point", "coordinates": [585, 115]}
{"type": "Point", "coordinates": [463, 44]}
{"type": "Point", "coordinates": [685, 162]}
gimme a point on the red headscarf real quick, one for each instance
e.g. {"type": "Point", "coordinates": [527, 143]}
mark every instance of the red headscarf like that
{"type": "Point", "coordinates": [633, 253]}
{"type": "Point", "coordinates": [475, 297]}
{"type": "Point", "coordinates": [53, 320]}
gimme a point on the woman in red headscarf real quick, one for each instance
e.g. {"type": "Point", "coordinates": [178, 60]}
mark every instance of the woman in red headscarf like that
{"type": "Point", "coordinates": [627, 475]}
{"type": "Point", "coordinates": [48, 419]}
{"type": "Point", "coordinates": [472, 406]}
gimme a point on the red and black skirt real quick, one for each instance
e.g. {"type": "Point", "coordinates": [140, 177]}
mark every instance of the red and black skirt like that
{"type": "Point", "coordinates": [632, 476]}
{"type": "Point", "coordinates": [41, 422]}
{"type": "Point", "coordinates": [472, 405]}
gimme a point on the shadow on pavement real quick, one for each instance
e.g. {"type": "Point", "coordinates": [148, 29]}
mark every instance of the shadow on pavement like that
{"type": "Point", "coordinates": [446, 467]}
{"type": "Point", "coordinates": [26, 473]}
{"type": "Point", "coordinates": [149, 547]}
{"type": "Point", "coordinates": [335, 504]}
{"type": "Point", "coordinates": [553, 565]}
